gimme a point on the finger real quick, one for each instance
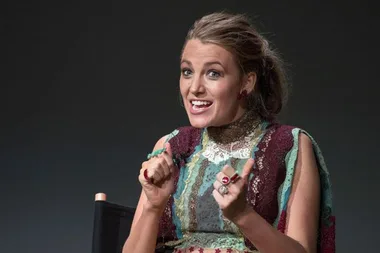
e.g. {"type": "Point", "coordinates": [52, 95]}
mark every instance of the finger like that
{"type": "Point", "coordinates": [247, 169]}
{"type": "Point", "coordinates": [228, 170]}
{"type": "Point", "coordinates": [217, 184]}
{"type": "Point", "coordinates": [218, 198]}
{"type": "Point", "coordinates": [142, 177]}
{"type": "Point", "coordinates": [165, 169]}
{"type": "Point", "coordinates": [142, 180]}
{"type": "Point", "coordinates": [155, 171]}
{"type": "Point", "coordinates": [168, 149]}
{"type": "Point", "coordinates": [231, 173]}
{"type": "Point", "coordinates": [233, 189]}
{"type": "Point", "coordinates": [168, 157]}
{"type": "Point", "coordinates": [223, 178]}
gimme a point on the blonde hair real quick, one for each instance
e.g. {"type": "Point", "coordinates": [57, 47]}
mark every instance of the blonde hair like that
{"type": "Point", "coordinates": [236, 33]}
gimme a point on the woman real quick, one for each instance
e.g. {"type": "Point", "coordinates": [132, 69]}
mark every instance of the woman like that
{"type": "Point", "coordinates": [235, 180]}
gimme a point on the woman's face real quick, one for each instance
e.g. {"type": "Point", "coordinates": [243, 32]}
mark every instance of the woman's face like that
{"type": "Point", "coordinates": [210, 84]}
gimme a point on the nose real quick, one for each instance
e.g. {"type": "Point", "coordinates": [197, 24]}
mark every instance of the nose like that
{"type": "Point", "coordinates": [197, 85]}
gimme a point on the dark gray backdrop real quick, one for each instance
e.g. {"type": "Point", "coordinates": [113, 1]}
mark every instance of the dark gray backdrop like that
{"type": "Point", "coordinates": [88, 88]}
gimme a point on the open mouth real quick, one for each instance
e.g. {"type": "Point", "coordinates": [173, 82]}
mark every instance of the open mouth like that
{"type": "Point", "coordinates": [200, 105]}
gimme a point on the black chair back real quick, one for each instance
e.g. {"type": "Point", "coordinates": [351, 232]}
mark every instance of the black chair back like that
{"type": "Point", "coordinates": [112, 224]}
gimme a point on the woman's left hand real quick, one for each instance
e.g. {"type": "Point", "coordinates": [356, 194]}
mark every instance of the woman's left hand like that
{"type": "Point", "coordinates": [233, 202]}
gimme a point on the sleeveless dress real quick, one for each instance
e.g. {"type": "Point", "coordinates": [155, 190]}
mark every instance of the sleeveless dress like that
{"type": "Point", "coordinates": [192, 218]}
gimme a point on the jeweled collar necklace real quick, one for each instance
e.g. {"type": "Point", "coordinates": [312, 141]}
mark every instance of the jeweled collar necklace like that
{"type": "Point", "coordinates": [235, 130]}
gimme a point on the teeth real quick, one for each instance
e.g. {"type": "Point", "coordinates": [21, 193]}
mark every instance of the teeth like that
{"type": "Point", "coordinates": [200, 102]}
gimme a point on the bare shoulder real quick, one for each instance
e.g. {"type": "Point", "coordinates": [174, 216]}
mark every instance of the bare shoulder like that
{"type": "Point", "coordinates": [305, 142]}
{"type": "Point", "coordinates": [304, 200]}
{"type": "Point", "coordinates": [306, 166]}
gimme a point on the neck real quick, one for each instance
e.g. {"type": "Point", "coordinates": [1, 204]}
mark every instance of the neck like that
{"type": "Point", "coordinates": [235, 130]}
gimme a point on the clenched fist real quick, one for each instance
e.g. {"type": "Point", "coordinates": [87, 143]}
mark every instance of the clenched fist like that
{"type": "Point", "coordinates": [157, 180]}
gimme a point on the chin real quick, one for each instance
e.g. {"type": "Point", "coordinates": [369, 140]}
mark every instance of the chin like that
{"type": "Point", "coordinates": [199, 122]}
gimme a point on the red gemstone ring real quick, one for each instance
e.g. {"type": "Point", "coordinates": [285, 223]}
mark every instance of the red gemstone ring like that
{"type": "Point", "coordinates": [146, 175]}
{"type": "Point", "coordinates": [226, 180]}
{"type": "Point", "coordinates": [235, 177]}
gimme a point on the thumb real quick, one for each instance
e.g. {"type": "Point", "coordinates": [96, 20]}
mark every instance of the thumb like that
{"type": "Point", "coordinates": [169, 149]}
{"type": "Point", "coordinates": [247, 169]}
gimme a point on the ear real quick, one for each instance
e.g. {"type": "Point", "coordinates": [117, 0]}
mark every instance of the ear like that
{"type": "Point", "coordinates": [249, 82]}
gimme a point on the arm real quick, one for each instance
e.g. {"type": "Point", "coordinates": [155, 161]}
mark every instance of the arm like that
{"type": "Point", "coordinates": [144, 229]}
{"type": "Point", "coordinates": [303, 211]}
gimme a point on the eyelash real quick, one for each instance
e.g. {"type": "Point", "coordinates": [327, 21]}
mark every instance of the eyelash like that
{"type": "Point", "coordinates": [183, 72]}
{"type": "Point", "coordinates": [217, 73]}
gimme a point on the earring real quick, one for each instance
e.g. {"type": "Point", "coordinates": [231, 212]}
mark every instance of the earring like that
{"type": "Point", "coordinates": [242, 95]}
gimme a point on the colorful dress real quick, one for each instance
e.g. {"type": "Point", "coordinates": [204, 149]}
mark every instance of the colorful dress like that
{"type": "Point", "coordinates": [192, 219]}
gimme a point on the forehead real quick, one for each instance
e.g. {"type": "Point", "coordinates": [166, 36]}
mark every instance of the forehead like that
{"type": "Point", "coordinates": [198, 52]}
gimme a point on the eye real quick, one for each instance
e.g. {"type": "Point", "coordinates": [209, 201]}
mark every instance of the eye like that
{"type": "Point", "coordinates": [186, 72]}
{"type": "Point", "coordinates": [213, 74]}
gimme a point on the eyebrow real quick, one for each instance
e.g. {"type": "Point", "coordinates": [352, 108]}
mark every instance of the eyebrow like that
{"type": "Point", "coordinates": [206, 64]}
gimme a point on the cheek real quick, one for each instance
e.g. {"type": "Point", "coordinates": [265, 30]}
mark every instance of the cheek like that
{"type": "Point", "coordinates": [182, 87]}
{"type": "Point", "coordinates": [226, 97]}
